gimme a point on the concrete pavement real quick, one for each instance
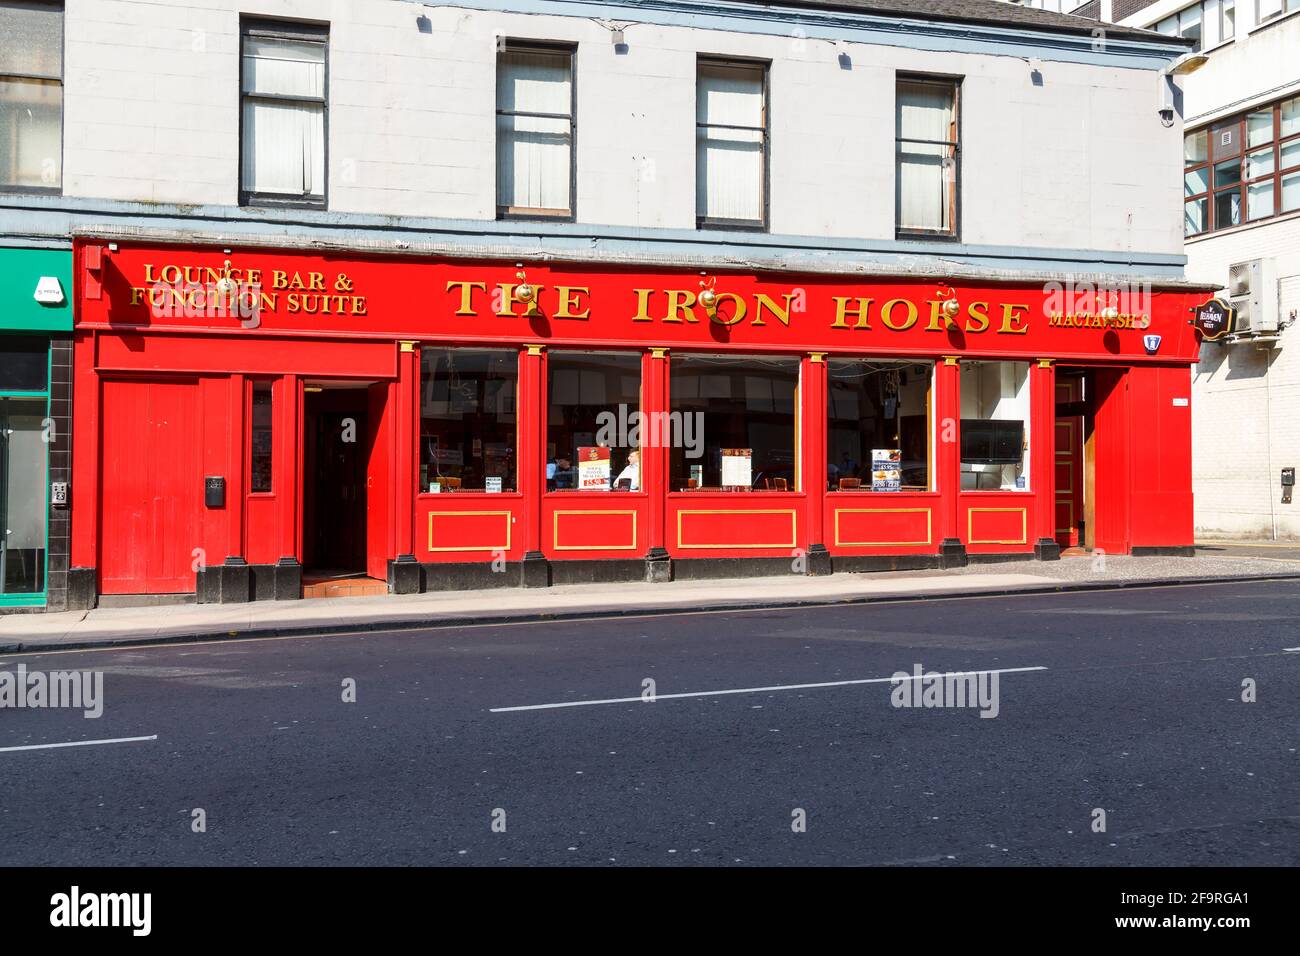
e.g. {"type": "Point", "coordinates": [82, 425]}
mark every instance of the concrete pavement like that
{"type": "Point", "coordinates": [161, 624]}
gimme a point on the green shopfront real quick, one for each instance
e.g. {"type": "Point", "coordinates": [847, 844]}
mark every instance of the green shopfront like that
{"type": "Point", "coordinates": [35, 400]}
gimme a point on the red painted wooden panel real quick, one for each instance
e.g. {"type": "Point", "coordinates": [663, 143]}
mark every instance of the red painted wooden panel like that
{"type": "Point", "coordinates": [468, 530]}
{"type": "Point", "coordinates": [998, 525]}
{"type": "Point", "coordinates": [152, 504]}
{"type": "Point", "coordinates": [743, 530]}
{"type": "Point", "coordinates": [880, 525]}
{"type": "Point", "coordinates": [1161, 481]}
{"type": "Point", "coordinates": [595, 526]}
{"type": "Point", "coordinates": [245, 352]}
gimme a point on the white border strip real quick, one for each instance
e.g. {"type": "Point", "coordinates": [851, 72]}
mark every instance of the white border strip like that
{"type": "Point", "coordinates": [80, 743]}
{"type": "Point", "coordinates": [748, 690]}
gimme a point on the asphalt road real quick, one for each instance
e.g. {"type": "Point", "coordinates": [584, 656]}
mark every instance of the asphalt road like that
{"type": "Point", "coordinates": [1138, 712]}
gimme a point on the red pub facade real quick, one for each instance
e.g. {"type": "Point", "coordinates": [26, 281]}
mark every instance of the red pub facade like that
{"type": "Point", "coordinates": [248, 417]}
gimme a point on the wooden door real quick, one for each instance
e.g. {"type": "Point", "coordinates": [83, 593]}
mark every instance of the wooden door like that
{"type": "Point", "coordinates": [152, 496]}
{"type": "Point", "coordinates": [1069, 463]}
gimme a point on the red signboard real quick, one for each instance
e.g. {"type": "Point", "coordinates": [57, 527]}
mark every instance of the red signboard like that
{"type": "Point", "coordinates": [255, 292]}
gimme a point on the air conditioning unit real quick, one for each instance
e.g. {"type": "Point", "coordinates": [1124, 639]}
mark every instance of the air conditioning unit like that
{"type": "Point", "coordinates": [1253, 292]}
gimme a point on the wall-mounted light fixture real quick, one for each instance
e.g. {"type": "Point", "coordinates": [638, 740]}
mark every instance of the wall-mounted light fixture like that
{"type": "Point", "coordinates": [524, 292]}
{"type": "Point", "coordinates": [226, 286]}
{"type": "Point", "coordinates": [949, 306]}
{"type": "Point", "coordinates": [709, 295]}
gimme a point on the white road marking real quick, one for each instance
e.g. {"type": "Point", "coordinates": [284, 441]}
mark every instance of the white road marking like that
{"type": "Point", "coordinates": [80, 743]}
{"type": "Point", "coordinates": [1291, 650]}
{"type": "Point", "coordinates": [749, 690]}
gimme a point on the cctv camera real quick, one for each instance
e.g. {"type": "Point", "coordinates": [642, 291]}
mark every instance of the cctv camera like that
{"type": "Point", "coordinates": [1167, 116]}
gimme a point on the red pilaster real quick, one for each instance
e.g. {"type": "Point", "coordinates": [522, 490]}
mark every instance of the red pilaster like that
{"type": "Point", "coordinates": [532, 431]}
{"type": "Point", "coordinates": [947, 480]}
{"type": "Point", "coordinates": [289, 427]}
{"type": "Point", "coordinates": [86, 462]}
{"type": "Point", "coordinates": [812, 479]}
{"type": "Point", "coordinates": [404, 476]}
{"type": "Point", "coordinates": [235, 467]}
{"type": "Point", "coordinates": [655, 444]}
{"type": "Point", "coordinates": [1042, 465]}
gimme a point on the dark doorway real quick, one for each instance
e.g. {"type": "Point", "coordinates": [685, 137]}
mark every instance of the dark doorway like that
{"type": "Point", "coordinates": [334, 480]}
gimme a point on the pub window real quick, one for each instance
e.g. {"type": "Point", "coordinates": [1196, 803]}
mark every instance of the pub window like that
{"type": "Point", "coordinates": [261, 454]}
{"type": "Point", "coordinates": [592, 398]}
{"type": "Point", "coordinates": [878, 436]}
{"type": "Point", "coordinates": [468, 422]}
{"type": "Point", "coordinates": [31, 95]}
{"type": "Point", "coordinates": [927, 156]}
{"type": "Point", "coordinates": [995, 426]}
{"type": "Point", "coordinates": [283, 121]}
{"type": "Point", "coordinates": [731, 162]}
{"type": "Point", "coordinates": [734, 423]}
{"type": "Point", "coordinates": [535, 131]}
{"type": "Point", "coordinates": [1242, 169]}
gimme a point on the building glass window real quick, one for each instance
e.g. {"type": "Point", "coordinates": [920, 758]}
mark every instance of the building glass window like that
{"type": "Point", "coordinates": [261, 453]}
{"type": "Point", "coordinates": [1268, 9]}
{"type": "Point", "coordinates": [592, 401]}
{"type": "Point", "coordinates": [927, 156]}
{"type": "Point", "coordinates": [31, 95]}
{"type": "Point", "coordinates": [24, 442]}
{"type": "Point", "coordinates": [735, 421]}
{"type": "Point", "coordinates": [1208, 23]}
{"type": "Point", "coordinates": [1243, 169]}
{"type": "Point", "coordinates": [995, 426]}
{"type": "Point", "coordinates": [879, 412]}
{"type": "Point", "coordinates": [535, 131]}
{"type": "Point", "coordinates": [468, 419]}
{"type": "Point", "coordinates": [283, 101]}
{"type": "Point", "coordinates": [731, 144]}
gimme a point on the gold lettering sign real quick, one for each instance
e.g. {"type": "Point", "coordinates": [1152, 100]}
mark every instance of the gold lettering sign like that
{"type": "Point", "coordinates": [668, 306]}
{"type": "Point", "coordinates": [1094, 320]}
{"type": "Point", "coordinates": [206, 291]}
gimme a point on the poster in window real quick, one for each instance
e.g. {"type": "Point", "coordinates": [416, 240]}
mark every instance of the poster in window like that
{"type": "Point", "coordinates": [737, 467]}
{"type": "Point", "coordinates": [593, 468]}
{"type": "Point", "coordinates": [886, 469]}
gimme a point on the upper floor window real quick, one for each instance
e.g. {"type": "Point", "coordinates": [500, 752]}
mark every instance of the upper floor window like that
{"type": "Point", "coordinates": [283, 133]}
{"type": "Point", "coordinates": [535, 131]}
{"type": "Point", "coordinates": [927, 156]}
{"type": "Point", "coordinates": [731, 121]}
{"type": "Point", "coordinates": [1242, 169]}
{"type": "Point", "coordinates": [1268, 9]}
{"type": "Point", "coordinates": [1208, 23]}
{"type": "Point", "coordinates": [31, 95]}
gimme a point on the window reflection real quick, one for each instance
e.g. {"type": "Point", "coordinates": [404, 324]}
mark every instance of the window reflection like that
{"type": "Point", "coordinates": [467, 419]}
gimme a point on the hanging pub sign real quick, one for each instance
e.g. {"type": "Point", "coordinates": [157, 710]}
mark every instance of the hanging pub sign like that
{"type": "Point", "coordinates": [1214, 319]}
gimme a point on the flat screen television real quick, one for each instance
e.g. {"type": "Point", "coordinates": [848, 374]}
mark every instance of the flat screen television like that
{"type": "Point", "coordinates": [985, 441]}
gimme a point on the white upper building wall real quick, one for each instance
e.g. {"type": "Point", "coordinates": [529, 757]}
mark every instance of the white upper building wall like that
{"type": "Point", "coordinates": [1077, 160]}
